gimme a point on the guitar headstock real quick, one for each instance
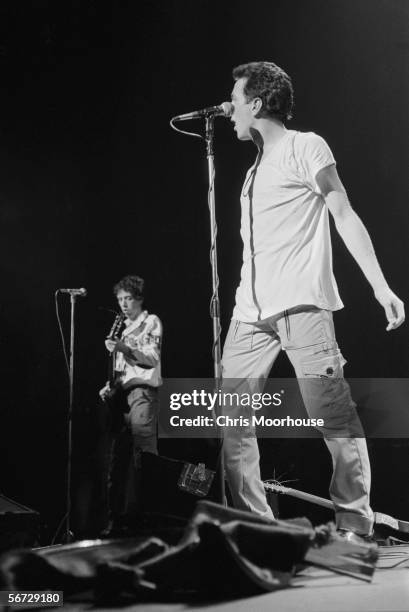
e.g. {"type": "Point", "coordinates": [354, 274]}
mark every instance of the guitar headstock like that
{"type": "Point", "coordinates": [116, 327]}
{"type": "Point", "coordinates": [275, 486]}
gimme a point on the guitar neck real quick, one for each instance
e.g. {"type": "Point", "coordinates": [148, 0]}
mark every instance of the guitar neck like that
{"type": "Point", "coordinates": [382, 521]}
{"type": "Point", "coordinates": [114, 334]}
{"type": "Point", "coordinates": [111, 368]}
{"type": "Point", "coordinates": [313, 499]}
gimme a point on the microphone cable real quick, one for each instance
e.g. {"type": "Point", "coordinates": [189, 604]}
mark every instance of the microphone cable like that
{"type": "Point", "coordinates": [64, 346]}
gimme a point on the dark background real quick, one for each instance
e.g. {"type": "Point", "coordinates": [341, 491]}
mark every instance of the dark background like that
{"type": "Point", "coordinates": [94, 185]}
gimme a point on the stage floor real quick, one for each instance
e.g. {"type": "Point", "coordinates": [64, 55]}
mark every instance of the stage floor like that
{"type": "Point", "coordinates": [313, 590]}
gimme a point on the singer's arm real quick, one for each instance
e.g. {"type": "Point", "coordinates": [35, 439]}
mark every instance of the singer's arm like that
{"type": "Point", "coordinates": [358, 242]}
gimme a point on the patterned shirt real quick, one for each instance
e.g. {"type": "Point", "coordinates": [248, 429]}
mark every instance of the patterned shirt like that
{"type": "Point", "coordinates": [144, 337]}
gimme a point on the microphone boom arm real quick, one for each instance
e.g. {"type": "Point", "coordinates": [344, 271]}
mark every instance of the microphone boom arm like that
{"type": "Point", "coordinates": [225, 109]}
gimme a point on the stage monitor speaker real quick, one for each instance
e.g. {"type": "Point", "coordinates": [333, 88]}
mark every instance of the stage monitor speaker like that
{"type": "Point", "coordinates": [19, 525]}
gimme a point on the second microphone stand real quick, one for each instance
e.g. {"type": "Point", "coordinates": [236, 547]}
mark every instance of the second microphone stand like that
{"type": "Point", "coordinates": [68, 534]}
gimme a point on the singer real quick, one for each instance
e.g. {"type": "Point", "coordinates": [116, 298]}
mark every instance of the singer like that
{"type": "Point", "coordinates": [287, 291]}
{"type": "Point", "coordinates": [138, 376]}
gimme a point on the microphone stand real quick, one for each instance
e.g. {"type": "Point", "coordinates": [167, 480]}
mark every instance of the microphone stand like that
{"type": "Point", "coordinates": [209, 116]}
{"type": "Point", "coordinates": [215, 302]}
{"type": "Point", "coordinates": [69, 536]}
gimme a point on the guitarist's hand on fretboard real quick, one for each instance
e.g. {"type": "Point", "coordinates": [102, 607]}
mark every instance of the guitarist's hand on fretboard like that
{"type": "Point", "coordinates": [110, 344]}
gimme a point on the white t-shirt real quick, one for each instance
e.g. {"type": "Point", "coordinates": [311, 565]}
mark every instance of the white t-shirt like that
{"type": "Point", "coordinates": [287, 255]}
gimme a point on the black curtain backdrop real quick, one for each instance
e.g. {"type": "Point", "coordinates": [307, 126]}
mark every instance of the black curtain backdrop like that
{"type": "Point", "coordinates": [94, 184]}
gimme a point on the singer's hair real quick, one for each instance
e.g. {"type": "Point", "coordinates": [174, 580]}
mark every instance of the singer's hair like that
{"type": "Point", "coordinates": [269, 82]}
{"type": "Point", "coordinates": [131, 283]}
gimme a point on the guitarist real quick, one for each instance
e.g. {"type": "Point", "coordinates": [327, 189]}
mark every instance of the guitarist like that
{"type": "Point", "coordinates": [136, 357]}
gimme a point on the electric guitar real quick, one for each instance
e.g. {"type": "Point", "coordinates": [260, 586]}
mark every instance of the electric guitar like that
{"type": "Point", "coordinates": [112, 396]}
{"type": "Point", "coordinates": [384, 524]}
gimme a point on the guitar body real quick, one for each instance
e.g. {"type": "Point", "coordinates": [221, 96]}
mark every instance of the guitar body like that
{"type": "Point", "coordinates": [115, 398]}
{"type": "Point", "coordinates": [384, 524]}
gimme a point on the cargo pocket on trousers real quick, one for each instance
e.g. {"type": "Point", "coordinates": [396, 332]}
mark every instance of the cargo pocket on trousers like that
{"type": "Point", "coordinates": [324, 366]}
{"type": "Point", "coordinates": [325, 392]}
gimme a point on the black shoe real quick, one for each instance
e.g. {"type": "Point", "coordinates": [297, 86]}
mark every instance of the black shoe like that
{"type": "Point", "coordinates": [356, 538]}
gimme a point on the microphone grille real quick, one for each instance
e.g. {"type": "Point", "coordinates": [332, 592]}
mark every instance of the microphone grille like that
{"type": "Point", "coordinates": [228, 108]}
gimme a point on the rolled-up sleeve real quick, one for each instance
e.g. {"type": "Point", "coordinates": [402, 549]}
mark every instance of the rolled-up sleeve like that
{"type": "Point", "coordinates": [313, 154]}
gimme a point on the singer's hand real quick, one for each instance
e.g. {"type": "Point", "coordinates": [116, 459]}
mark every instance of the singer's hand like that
{"type": "Point", "coordinates": [394, 307]}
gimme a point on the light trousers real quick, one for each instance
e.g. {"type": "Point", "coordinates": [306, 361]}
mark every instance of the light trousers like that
{"type": "Point", "coordinates": [307, 335]}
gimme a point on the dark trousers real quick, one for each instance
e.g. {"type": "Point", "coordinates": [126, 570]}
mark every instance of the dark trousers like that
{"type": "Point", "coordinates": [137, 433]}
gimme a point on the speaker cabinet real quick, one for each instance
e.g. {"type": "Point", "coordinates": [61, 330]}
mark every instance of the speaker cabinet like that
{"type": "Point", "coordinates": [19, 525]}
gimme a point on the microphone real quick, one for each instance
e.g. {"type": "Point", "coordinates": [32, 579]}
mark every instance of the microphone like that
{"type": "Point", "coordinates": [225, 109]}
{"type": "Point", "coordinates": [81, 292]}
